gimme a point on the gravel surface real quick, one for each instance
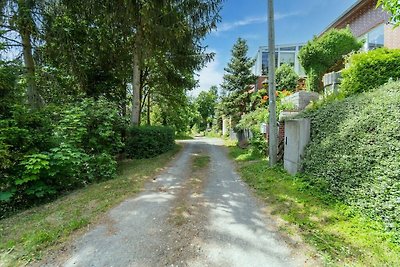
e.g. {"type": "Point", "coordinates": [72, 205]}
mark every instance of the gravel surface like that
{"type": "Point", "coordinates": [221, 223]}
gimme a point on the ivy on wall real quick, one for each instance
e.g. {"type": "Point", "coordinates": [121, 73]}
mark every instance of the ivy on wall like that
{"type": "Point", "coordinates": [325, 53]}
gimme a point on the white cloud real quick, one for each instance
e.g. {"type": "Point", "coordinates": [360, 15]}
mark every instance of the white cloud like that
{"type": "Point", "coordinates": [227, 26]}
{"type": "Point", "coordinates": [210, 75]}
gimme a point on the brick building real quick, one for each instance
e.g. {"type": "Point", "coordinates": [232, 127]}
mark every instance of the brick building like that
{"type": "Point", "coordinates": [369, 23]}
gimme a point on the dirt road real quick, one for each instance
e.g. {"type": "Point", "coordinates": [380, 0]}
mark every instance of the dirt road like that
{"type": "Point", "coordinates": [196, 213]}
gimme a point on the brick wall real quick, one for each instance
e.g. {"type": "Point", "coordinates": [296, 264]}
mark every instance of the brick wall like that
{"type": "Point", "coordinates": [392, 37]}
{"type": "Point", "coordinates": [281, 140]}
{"type": "Point", "coordinates": [366, 19]}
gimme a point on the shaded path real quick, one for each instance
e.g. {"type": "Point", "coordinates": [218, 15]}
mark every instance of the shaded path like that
{"type": "Point", "coordinates": [231, 228]}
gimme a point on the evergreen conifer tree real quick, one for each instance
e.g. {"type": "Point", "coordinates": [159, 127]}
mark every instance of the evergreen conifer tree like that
{"type": "Point", "coordinates": [236, 82]}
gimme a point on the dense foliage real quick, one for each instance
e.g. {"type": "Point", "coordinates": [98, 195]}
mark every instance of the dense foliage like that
{"type": "Point", "coordinates": [369, 70]}
{"type": "Point", "coordinates": [286, 78]}
{"type": "Point", "coordinates": [69, 77]}
{"type": "Point", "coordinates": [149, 141]}
{"type": "Point", "coordinates": [393, 7]}
{"type": "Point", "coordinates": [70, 52]}
{"type": "Point", "coordinates": [254, 119]}
{"type": "Point", "coordinates": [56, 149]}
{"type": "Point", "coordinates": [325, 53]}
{"type": "Point", "coordinates": [355, 152]}
{"type": "Point", "coordinates": [205, 103]}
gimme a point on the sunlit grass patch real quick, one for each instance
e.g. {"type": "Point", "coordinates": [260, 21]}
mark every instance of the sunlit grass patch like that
{"type": "Point", "coordinates": [200, 161]}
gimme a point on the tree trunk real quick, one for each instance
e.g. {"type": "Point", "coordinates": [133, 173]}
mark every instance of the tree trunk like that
{"type": "Point", "coordinates": [25, 30]}
{"type": "Point", "coordinates": [123, 101]}
{"type": "Point", "coordinates": [148, 108]}
{"type": "Point", "coordinates": [135, 117]}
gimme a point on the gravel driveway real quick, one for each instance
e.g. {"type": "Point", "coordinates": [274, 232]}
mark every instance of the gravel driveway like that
{"type": "Point", "coordinates": [222, 223]}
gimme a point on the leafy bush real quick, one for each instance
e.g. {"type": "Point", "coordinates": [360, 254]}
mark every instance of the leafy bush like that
{"type": "Point", "coordinates": [253, 120]}
{"type": "Point", "coordinates": [286, 78]}
{"type": "Point", "coordinates": [325, 53]}
{"type": "Point", "coordinates": [149, 141]}
{"type": "Point", "coordinates": [56, 149]}
{"type": "Point", "coordinates": [369, 70]}
{"type": "Point", "coordinates": [355, 152]}
{"type": "Point", "coordinates": [259, 144]}
{"type": "Point", "coordinates": [10, 91]}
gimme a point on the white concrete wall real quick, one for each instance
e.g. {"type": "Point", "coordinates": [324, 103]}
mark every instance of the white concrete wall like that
{"type": "Point", "coordinates": [301, 99]}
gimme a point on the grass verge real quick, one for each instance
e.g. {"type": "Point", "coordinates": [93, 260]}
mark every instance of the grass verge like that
{"type": "Point", "coordinates": [342, 235]}
{"type": "Point", "coordinates": [29, 235]}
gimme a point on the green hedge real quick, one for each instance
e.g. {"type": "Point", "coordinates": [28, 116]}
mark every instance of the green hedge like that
{"type": "Point", "coordinates": [369, 70]}
{"type": "Point", "coordinates": [355, 152]}
{"type": "Point", "coordinates": [149, 141]}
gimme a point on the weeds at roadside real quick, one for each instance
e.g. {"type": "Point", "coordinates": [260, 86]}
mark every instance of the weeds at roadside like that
{"type": "Point", "coordinates": [342, 235]}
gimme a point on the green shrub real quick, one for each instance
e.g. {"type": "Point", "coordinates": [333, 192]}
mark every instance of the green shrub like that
{"type": "Point", "coordinates": [286, 78]}
{"type": "Point", "coordinates": [355, 152]}
{"type": "Point", "coordinates": [325, 53]}
{"type": "Point", "coordinates": [10, 90]}
{"type": "Point", "coordinates": [149, 141]}
{"type": "Point", "coordinates": [46, 152]}
{"type": "Point", "coordinates": [102, 167]}
{"type": "Point", "coordinates": [369, 70]}
{"type": "Point", "coordinates": [252, 120]}
{"type": "Point", "coordinates": [94, 126]}
{"type": "Point", "coordinates": [259, 144]}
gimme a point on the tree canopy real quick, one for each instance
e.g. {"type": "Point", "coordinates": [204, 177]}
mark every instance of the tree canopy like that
{"type": "Point", "coordinates": [71, 71]}
{"type": "Point", "coordinates": [325, 53]}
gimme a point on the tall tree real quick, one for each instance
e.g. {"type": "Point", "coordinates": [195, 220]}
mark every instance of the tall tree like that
{"type": "Point", "coordinates": [88, 45]}
{"type": "Point", "coordinates": [176, 29]}
{"type": "Point", "coordinates": [237, 80]}
{"type": "Point", "coordinates": [206, 102]}
{"type": "Point", "coordinates": [20, 26]}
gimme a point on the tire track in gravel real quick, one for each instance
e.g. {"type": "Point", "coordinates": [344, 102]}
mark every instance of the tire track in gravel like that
{"type": "Point", "coordinates": [188, 215]}
{"type": "Point", "coordinates": [196, 213]}
{"type": "Point", "coordinates": [144, 230]}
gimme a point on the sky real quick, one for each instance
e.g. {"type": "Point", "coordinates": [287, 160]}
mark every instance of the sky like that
{"type": "Point", "coordinates": [295, 22]}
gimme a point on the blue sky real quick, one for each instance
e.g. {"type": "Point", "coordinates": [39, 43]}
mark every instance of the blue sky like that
{"type": "Point", "coordinates": [295, 21]}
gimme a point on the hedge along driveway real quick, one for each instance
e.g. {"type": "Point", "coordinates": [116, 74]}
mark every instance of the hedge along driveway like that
{"type": "Point", "coordinates": [149, 141]}
{"type": "Point", "coordinates": [355, 151]}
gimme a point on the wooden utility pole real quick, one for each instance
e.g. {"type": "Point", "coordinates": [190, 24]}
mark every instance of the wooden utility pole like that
{"type": "Point", "coordinates": [273, 134]}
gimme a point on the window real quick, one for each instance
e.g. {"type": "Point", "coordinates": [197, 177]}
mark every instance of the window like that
{"type": "Point", "coordinates": [288, 48]}
{"type": "Point", "coordinates": [375, 38]}
{"type": "Point", "coordinates": [264, 65]}
{"type": "Point", "coordinates": [287, 58]}
{"type": "Point", "coordinates": [265, 60]}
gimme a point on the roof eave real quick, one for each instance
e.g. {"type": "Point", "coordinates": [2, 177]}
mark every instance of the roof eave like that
{"type": "Point", "coordinates": [346, 14]}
